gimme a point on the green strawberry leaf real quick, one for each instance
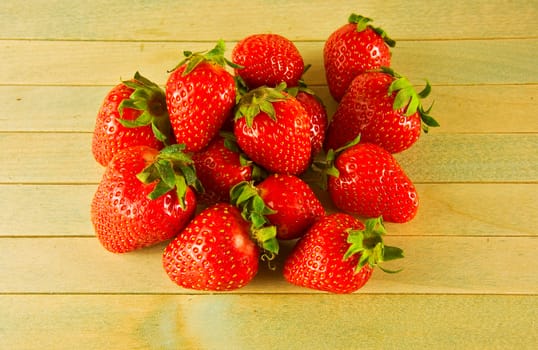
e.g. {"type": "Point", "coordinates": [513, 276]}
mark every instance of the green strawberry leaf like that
{"type": "Point", "coordinates": [166, 172]}
{"type": "Point", "coordinates": [245, 196]}
{"type": "Point", "coordinates": [215, 55]}
{"type": "Point", "coordinates": [171, 169]}
{"type": "Point", "coordinates": [265, 237]}
{"type": "Point", "coordinates": [407, 98]}
{"type": "Point", "coordinates": [259, 100]}
{"type": "Point", "coordinates": [368, 243]}
{"type": "Point", "coordinates": [160, 190]}
{"type": "Point", "coordinates": [364, 22]}
{"type": "Point", "coordinates": [149, 98]}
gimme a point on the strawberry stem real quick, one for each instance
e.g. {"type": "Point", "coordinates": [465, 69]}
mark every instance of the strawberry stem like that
{"type": "Point", "coordinates": [364, 22]}
{"type": "Point", "coordinates": [409, 100]}
{"type": "Point", "coordinates": [325, 167]}
{"type": "Point", "coordinates": [259, 100]}
{"type": "Point", "coordinates": [215, 56]}
{"type": "Point", "coordinates": [149, 98]}
{"type": "Point", "coordinates": [172, 169]}
{"type": "Point", "coordinates": [369, 244]}
{"type": "Point", "coordinates": [245, 196]}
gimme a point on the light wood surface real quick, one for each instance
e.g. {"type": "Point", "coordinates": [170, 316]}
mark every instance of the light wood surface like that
{"type": "Point", "coordinates": [470, 277]}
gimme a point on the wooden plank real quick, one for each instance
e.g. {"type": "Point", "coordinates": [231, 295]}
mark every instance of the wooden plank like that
{"type": "Point", "coordinates": [50, 108]}
{"type": "Point", "coordinates": [268, 322]}
{"type": "Point", "coordinates": [41, 210]}
{"type": "Point", "coordinates": [445, 210]}
{"type": "Point", "coordinates": [67, 158]}
{"type": "Point", "coordinates": [432, 265]}
{"type": "Point", "coordinates": [472, 158]}
{"type": "Point", "coordinates": [104, 63]}
{"type": "Point", "coordinates": [299, 20]}
{"type": "Point", "coordinates": [460, 109]}
{"type": "Point", "coordinates": [56, 158]}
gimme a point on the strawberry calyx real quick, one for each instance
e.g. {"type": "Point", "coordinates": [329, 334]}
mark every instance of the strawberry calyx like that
{"type": "Point", "coordinates": [172, 169]}
{"type": "Point", "coordinates": [364, 22]}
{"type": "Point", "coordinates": [245, 196]}
{"type": "Point", "coordinates": [149, 98]}
{"type": "Point", "coordinates": [302, 86]}
{"type": "Point", "coordinates": [215, 56]}
{"type": "Point", "coordinates": [230, 142]}
{"type": "Point", "coordinates": [260, 100]}
{"type": "Point", "coordinates": [325, 167]}
{"type": "Point", "coordinates": [407, 98]}
{"type": "Point", "coordinates": [369, 244]}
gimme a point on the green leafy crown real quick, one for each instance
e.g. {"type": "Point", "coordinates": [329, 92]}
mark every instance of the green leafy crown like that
{"type": "Point", "coordinates": [407, 97]}
{"type": "Point", "coordinates": [149, 98]}
{"type": "Point", "coordinates": [364, 22]}
{"type": "Point", "coordinates": [369, 244]}
{"type": "Point", "coordinates": [245, 196]}
{"type": "Point", "coordinates": [172, 169]}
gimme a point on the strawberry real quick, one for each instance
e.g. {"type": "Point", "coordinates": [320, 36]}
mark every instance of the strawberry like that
{"type": "Point", "coordinates": [133, 113]}
{"type": "Point", "coordinates": [273, 130]}
{"type": "Point", "coordinates": [366, 180]}
{"type": "Point", "coordinates": [268, 59]}
{"type": "Point", "coordinates": [284, 201]}
{"type": "Point", "coordinates": [200, 95]}
{"type": "Point", "coordinates": [318, 118]}
{"type": "Point", "coordinates": [220, 166]}
{"type": "Point", "coordinates": [338, 254]}
{"type": "Point", "coordinates": [134, 207]}
{"type": "Point", "coordinates": [354, 48]}
{"type": "Point", "coordinates": [316, 111]}
{"type": "Point", "coordinates": [214, 251]}
{"type": "Point", "coordinates": [384, 108]}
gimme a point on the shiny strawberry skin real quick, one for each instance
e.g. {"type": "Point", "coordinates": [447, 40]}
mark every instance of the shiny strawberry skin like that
{"type": "Point", "coordinates": [123, 217]}
{"type": "Point", "coordinates": [296, 205]}
{"type": "Point", "coordinates": [219, 169]}
{"type": "Point", "coordinates": [282, 145]}
{"type": "Point", "coordinates": [348, 53]}
{"type": "Point", "coordinates": [268, 59]}
{"type": "Point", "coordinates": [199, 103]}
{"type": "Point", "coordinates": [214, 252]}
{"type": "Point", "coordinates": [318, 119]}
{"type": "Point", "coordinates": [110, 136]}
{"type": "Point", "coordinates": [371, 183]}
{"type": "Point", "coordinates": [317, 260]}
{"type": "Point", "coordinates": [367, 109]}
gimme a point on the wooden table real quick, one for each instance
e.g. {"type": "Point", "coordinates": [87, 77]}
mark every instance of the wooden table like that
{"type": "Point", "coordinates": [470, 276]}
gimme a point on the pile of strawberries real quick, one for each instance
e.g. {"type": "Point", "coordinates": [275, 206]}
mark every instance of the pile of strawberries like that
{"type": "Point", "coordinates": [213, 162]}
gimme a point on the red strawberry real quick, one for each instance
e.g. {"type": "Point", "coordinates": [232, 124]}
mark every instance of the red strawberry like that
{"type": "Point", "coordinates": [384, 108]}
{"type": "Point", "coordinates": [214, 252]}
{"type": "Point", "coordinates": [273, 130]}
{"type": "Point", "coordinates": [219, 167]}
{"type": "Point", "coordinates": [284, 201]}
{"type": "Point", "coordinates": [128, 214]}
{"type": "Point", "coordinates": [268, 59]}
{"type": "Point", "coordinates": [366, 180]}
{"type": "Point", "coordinates": [338, 254]}
{"type": "Point", "coordinates": [200, 95]}
{"type": "Point", "coordinates": [316, 111]}
{"type": "Point", "coordinates": [133, 113]}
{"type": "Point", "coordinates": [354, 48]}
{"type": "Point", "coordinates": [318, 118]}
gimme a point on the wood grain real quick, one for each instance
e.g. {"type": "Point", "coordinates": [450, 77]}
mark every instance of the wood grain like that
{"type": "Point", "coordinates": [459, 108]}
{"type": "Point", "coordinates": [435, 158]}
{"type": "Point", "coordinates": [299, 20]}
{"type": "Point", "coordinates": [268, 321]}
{"type": "Point", "coordinates": [469, 278]}
{"type": "Point", "coordinates": [505, 61]}
{"type": "Point", "coordinates": [463, 264]}
{"type": "Point", "coordinates": [445, 210]}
